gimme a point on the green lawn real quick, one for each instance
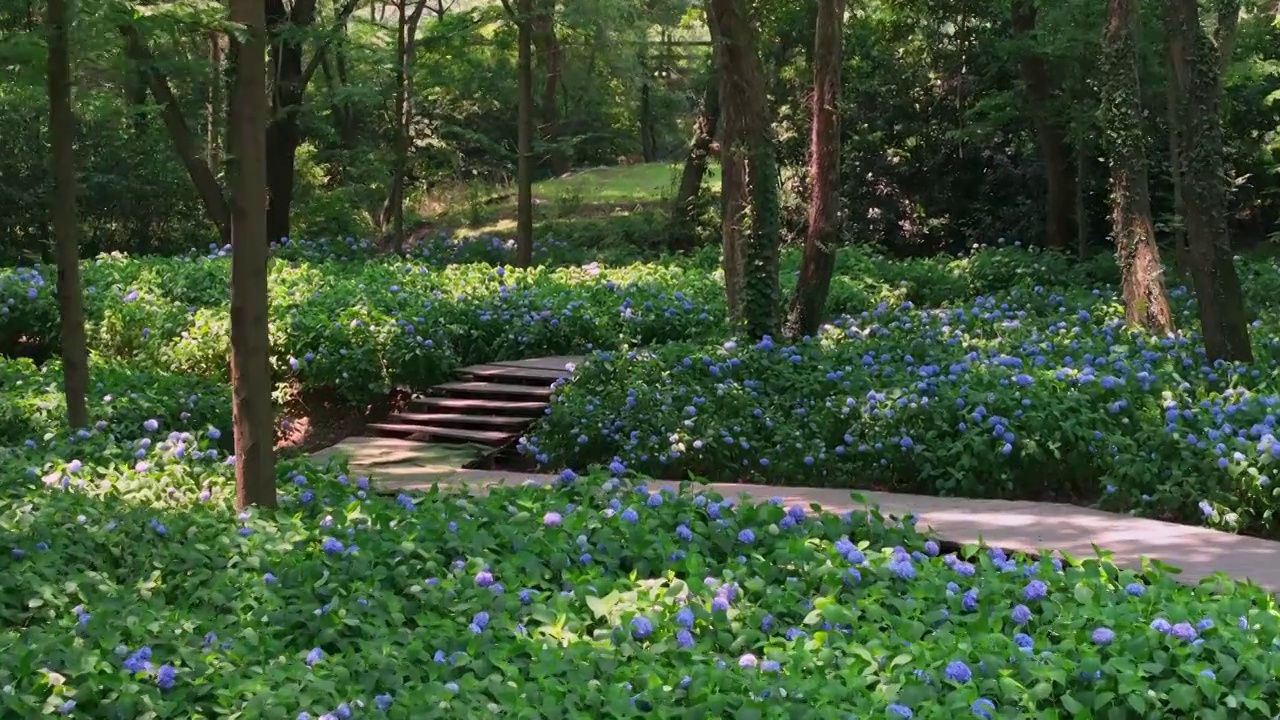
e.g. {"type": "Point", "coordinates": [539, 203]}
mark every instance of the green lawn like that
{"type": "Point", "coordinates": [648, 182]}
{"type": "Point", "coordinates": [581, 194]}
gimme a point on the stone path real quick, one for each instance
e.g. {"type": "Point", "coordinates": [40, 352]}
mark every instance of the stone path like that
{"type": "Point", "coordinates": [398, 465]}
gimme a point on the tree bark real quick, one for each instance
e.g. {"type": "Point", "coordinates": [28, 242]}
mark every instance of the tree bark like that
{"type": "Point", "coordinates": [1082, 182]}
{"type": "Point", "coordinates": [1194, 58]}
{"type": "Point", "coordinates": [524, 136]}
{"type": "Point", "coordinates": [823, 233]}
{"type": "Point", "coordinates": [551, 58]}
{"type": "Point", "coordinates": [184, 142]}
{"type": "Point", "coordinates": [734, 204]}
{"type": "Point", "coordinates": [1142, 274]}
{"type": "Point", "coordinates": [685, 208]}
{"type": "Point", "coordinates": [648, 149]}
{"type": "Point", "coordinates": [75, 354]}
{"type": "Point", "coordinates": [1176, 89]}
{"type": "Point", "coordinates": [748, 139]}
{"type": "Point", "coordinates": [1051, 136]}
{"type": "Point", "coordinates": [393, 210]}
{"type": "Point", "coordinates": [250, 341]}
{"type": "Point", "coordinates": [284, 131]}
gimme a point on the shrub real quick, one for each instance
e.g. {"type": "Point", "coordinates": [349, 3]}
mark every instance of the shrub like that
{"type": "Point", "coordinates": [1025, 394]}
{"type": "Point", "coordinates": [133, 588]}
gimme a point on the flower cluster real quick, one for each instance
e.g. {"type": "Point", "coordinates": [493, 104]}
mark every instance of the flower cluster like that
{"type": "Point", "coordinates": [1030, 394]}
{"type": "Point", "coordinates": [132, 590]}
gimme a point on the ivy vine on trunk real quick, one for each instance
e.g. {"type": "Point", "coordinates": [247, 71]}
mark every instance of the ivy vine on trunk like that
{"type": "Point", "coordinates": [748, 139]}
{"type": "Point", "coordinates": [1142, 281]}
{"type": "Point", "coordinates": [1195, 62]}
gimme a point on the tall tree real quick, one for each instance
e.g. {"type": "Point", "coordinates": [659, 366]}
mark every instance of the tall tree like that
{"type": "Point", "coordinates": [250, 343]}
{"type": "Point", "coordinates": [684, 208]}
{"type": "Point", "coordinates": [551, 59]}
{"type": "Point", "coordinates": [523, 15]}
{"type": "Point", "coordinates": [407, 30]}
{"type": "Point", "coordinates": [1051, 135]}
{"type": "Point", "coordinates": [62, 130]}
{"type": "Point", "coordinates": [1145, 302]}
{"type": "Point", "coordinates": [823, 233]}
{"type": "Point", "coordinates": [1195, 61]}
{"type": "Point", "coordinates": [288, 26]}
{"type": "Point", "coordinates": [747, 138]}
{"type": "Point", "coordinates": [175, 122]}
{"type": "Point", "coordinates": [733, 189]}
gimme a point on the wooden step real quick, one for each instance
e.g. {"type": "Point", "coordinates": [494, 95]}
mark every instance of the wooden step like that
{"type": "Point", "coordinates": [515, 375]}
{"type": "Point", "coordinates": [493, 389]}
{"type": "Point", "coordinates": [446, 419]}
{"type": "Point", "coordinates": [480, 406]}
{"type": "Point", "coordinates": [487, 437]}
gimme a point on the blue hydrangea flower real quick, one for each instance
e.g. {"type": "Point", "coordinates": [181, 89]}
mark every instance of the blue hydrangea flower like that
{"type": "Point", "coordinates": [983, 708]}
{"type": "Point", "coordinates": [685, 617]}
{"type": "Point", "coordinates": [1102, 636]}
{"type": "Point", "coordinates": [641, 628]}
{"type": "Point", "coordinates": [166, 676]}
{"type": "Point", "coordinates": [684, 639]}
{"type": "Point", "coordinates": [1021, 614]}
{"type": "Point", "coordinates": [958, 671]}
{"type": "Point", "coordinates": [1035, 590]}
{"type": "Point", "coordinates": [1183, 631]}
{"type": "Point", "coordinates": [895, 710]}
{"type": "Point", "coordinates": [746, 536]}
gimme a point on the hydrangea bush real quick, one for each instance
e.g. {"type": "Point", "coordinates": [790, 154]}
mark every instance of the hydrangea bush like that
{"type": "Point", "coordinates": [33, 403]}
{"type": "Point", "coordinates": [347, 322]}
{"type": "Point", "coordinates": [1031, 394]}
{"type": "Point", "coordinates": [357, 330]}
{"type": "Point", "coordinates": [132, 588]}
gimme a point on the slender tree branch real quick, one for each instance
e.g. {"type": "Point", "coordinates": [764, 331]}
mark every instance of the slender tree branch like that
{"type": "Point", "coordinates": [314, 63]}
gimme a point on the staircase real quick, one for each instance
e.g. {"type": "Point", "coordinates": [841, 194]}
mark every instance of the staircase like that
{"type": "Point", "coordinates": [488, 405]}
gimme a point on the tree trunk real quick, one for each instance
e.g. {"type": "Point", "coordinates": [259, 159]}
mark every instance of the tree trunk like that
{"type": "Point", "coordinates": [823, 234]}
{"type": "Point", "coordinates": [184, 142]}
{"type": "Point", "coordinates": [1050, 134]}
{"type": "Point", "coordinates": [284, 132]}
{"type": "Point", "coordinates": [524, 137]}
{"type": "Point", "coordinates": [1082, 182]}
{"type": "Point", "coordinates": [748, 139]}
{"type": "Point", "coordinates": [75, 354]}
{"type": "Point", "coordinates": [213, 111]}
{"type": "Point", "coordinates": [685, 208]}
{"type": "Point", "coordinates": [733, 213]}
{"type": "Point", "coordinates": [393, 210]}
{"type": "Point", "coordinates": [250, 342]}
{"type": "Point", "coordinates": [1142, 275]}
{"type": "Point", "coordinates": [1194, 57]}
{"type": "Point", "coordinates": [551, 58]}
{"type": "Point", "coordinates": [135, 96]}
{"type": "Point", "coordinates": [647, 150]}
{"type": "Point", "coordinates": [1176, 90]}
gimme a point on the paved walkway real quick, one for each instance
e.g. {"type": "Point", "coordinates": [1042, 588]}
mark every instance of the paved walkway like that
{"type": "Point", "coordinates": [397, 465]}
